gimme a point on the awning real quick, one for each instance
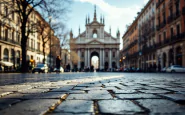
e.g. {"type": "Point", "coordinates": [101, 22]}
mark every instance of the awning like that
{"type": "Point", "coordinates": [5, 63]}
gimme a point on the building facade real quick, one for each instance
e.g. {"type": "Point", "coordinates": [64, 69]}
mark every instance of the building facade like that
{"type": "Point", "coordinates": [161, 35]}
{"type": "Point", "coordinates": [170, 33]}
{"type": "Point", "coordinates": [95, 41]}
{"type": "Point", "coordinates": [10, 39]}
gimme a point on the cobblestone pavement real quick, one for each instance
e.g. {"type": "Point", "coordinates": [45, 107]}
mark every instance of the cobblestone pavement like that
{"type": "Point", "coordinates": [92, 93]}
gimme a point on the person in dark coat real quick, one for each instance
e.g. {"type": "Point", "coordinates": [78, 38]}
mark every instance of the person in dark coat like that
{"type": "Point", "coordinates": [58, 61]}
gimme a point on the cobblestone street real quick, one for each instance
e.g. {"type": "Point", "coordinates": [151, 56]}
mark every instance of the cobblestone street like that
{"type": "Point", "coordinates": [92, 93]}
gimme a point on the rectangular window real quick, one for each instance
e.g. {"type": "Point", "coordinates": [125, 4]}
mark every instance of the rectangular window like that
{"type": "Point", "coordinates": [113, 54]}
{"type": "Point", "coordinates": [106, 54]}
{"type": "Point", "coordinates": [6, 34]}
{"type": "Point", "coordinates": [178, 30]}
{"type": "Point", "coordinates": [6, 11]}
{"type": "Point", "coordinates": [164, 35]}
{"type": "Point", "coordinates": [82, 54]}
{"type": "Point", "coordinates": [159, 38]}
{"type": "Point", "coordinates": [13, 36]}
{"type": "Point", "coordinates": [38, 46]}
{"type": "Point", "coordinates": [171, 30]}
{"type": "Point", "coordinates": [12, 15]}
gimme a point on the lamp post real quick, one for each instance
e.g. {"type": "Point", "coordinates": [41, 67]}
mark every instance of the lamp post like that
{"type": "Point", "coordinates": [50, 42]}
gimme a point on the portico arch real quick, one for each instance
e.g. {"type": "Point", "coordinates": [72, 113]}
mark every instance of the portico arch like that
{"type": "Point", "coordinates": [94, 63]}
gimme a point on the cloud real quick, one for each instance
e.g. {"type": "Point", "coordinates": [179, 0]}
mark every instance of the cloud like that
{"type": "Point", "coordinates": [116, 17]}
{"type": "Point", "coordinates": [146, 1]}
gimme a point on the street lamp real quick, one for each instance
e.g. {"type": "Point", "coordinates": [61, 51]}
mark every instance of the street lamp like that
{"type": "Point", "coordinates": [50, 42]}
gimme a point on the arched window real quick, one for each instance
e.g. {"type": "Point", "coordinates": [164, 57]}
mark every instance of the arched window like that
{"type": "Point", "coordinates": [95, 35]}
{"type": "Point", "coordinates": [6, 56]}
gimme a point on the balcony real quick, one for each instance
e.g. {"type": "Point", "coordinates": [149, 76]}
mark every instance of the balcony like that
{"type": "Point", "coordinates": [31, 49]}
{"type": "Point", "coordinates": [170, 19]}
{"type": "Point", "coordinates": [158, 27]}
{"type": "Point", "coordinates": [158, 3]}
{"type": "Point", "coordinates": [13, 42]}
{"type": "Point", "coordinates": [162, 25]}
{"type": "Point", "coordinates": [176, 15]}
{"type": "Point", "coordinates": [171, 40]}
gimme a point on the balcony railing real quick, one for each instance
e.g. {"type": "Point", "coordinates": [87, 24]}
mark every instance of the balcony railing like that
{"type": "Point", "coordinates": [171, 40]}
{"type": "Point", "coordinates": [10, 41]}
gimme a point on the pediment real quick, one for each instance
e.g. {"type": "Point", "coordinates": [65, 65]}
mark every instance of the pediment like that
{"type": "Point", "coordinates": [94, 42]}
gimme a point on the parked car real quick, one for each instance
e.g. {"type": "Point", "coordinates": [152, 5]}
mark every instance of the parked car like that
{"type": "Point", "coordinates": [175, 68]}
{"type": "Point", "coordinates": [40, 68]}
{"type": "Point", "coordinates": [59, 70]}
{"type": "Point", "coordinates": [164, 69]}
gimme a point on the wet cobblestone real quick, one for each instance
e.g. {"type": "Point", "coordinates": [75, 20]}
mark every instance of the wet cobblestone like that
{"type": "Point", "coordinates": [92, 94]}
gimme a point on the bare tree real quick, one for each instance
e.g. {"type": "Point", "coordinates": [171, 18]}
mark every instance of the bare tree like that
{"type": "Point", "coordinates": [24, 8]}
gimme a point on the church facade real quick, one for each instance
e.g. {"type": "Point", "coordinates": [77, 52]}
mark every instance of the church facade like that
{"type": "Point", "coordinates": [95, 41]}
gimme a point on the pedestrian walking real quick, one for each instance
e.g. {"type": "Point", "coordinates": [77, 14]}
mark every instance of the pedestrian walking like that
{"type": "Point", "coordinates": [58, 61]}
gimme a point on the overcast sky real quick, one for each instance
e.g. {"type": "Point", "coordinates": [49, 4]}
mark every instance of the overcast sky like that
{"type": "Point", "coordinates": [117, 13]}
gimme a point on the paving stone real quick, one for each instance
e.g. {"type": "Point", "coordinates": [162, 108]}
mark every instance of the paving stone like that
{"type": "Point", "coordinates": [89, 96]}
{"type": "Point", "coordinates": [89, 85]}
{"type": "Point", "coordinates": [118, 107]}
{"type": "Point", "coordinates": [5, 103]}
{"type": "Point", "coordinates": [34, 91]}
{"type": "Point", "coordinates": [48, 95]}
{"type": "Point", "coordinates": [20, 96]}
{"type": "Point", "coordinates": [124, 91]}
{"type": "Point", "coordinates": [29, 107]}
{"type": "Point", "coordinates": [68, 114]}
{"type": "Point", "coordinates": [177, 89]}
{"type": "Point", "coordinates": [62, 89]}
{"type": "Point", "coordinates": [161, 86]}
{"type": "Point", "coordinates": [161, 106]}
{"type": "Point", "coordinates": [136, 96]}
{"type": "Point", "coordinates": [175, 97]}
{"type": "Point", "coordinates": [154, 91]}
{"type": "Point", "coordinates": [75, 106]}
{"type": "Point", "coordinates": [103, 92]}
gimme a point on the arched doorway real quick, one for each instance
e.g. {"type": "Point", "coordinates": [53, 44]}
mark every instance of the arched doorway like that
{"type": "Point", "coordinates": [164, 59]}
{"type": "Point", "coordinates": [12, 59]}
{"type": "Point", "coordinates": [171, 57]}
{"type": "Point", "coordinates": [18, 57]}
{"type": "Point", "coordinates": [179, 56]}
{"type": "Point", "coordinates": [106, 66]}
{"type": "Point", "coordinates": [114, 64]}
{"type": "Point", "coordinates": [6, 56]}
{"type": "Point", "coordinates": [94, 61]}
{"type": "Point", "coordinates": [82, 65]}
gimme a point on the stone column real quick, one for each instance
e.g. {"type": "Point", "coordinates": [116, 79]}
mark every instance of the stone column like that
{"type": "Point", "coordinates": [89, 58]}
{"type": "Point", "coordinates": [103, 60]}
{"type": "Point", "coordinates": [117, 61]}
{"type": "Point", "coordinates": [79, 65]}
{"type": "Point", "coordinates": [100, 58]}
{"type": "Point", "coordinates": [110, 58]}
{"type": "Point", "coordinates": [2, 50]}
{"type": "Point", "coordinates": [86, 58]}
